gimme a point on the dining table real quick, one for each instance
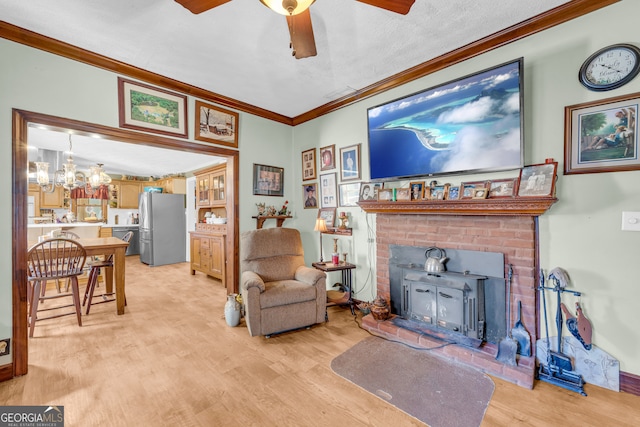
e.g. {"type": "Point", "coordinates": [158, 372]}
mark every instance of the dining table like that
{"type": "Point", "coordinates": [95, 246]}
{"type": "Point", "coordinates": [110, 246]}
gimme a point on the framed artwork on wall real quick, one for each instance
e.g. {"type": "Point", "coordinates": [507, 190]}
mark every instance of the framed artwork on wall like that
{"type": "Point", "coordinates": [328, 196]}
{"type": "Point", "coordinates": [538, 180]}
{"type": "Point", "coordinates": [309, 164]}
{"type": "Point", "coordinates": [417, 190]}
{"type": "Point", "coordinates": [349, 194]}
{"type": "Point", "coordinates": [328, 158]}
{"type": "Point", "coordinates": [216, 125]}
{"type": "Point", "coordinates": [151, 109]}
{"type": "Point", "coordinates": [350, 163]}
{"type": "Point", "coordinates": [329, 216]}
{"type": "Point", "coordinates": [602, 136]}
{"type": "Point", "coordinates": [309, 192]}
{"type": "Point", "coordinates": [268, 180]}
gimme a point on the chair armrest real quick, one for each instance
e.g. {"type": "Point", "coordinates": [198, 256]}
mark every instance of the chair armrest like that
{"type": "Point", "coordinates": [250, 279]}
{"type": "Point", "coordinates": [309, 275]}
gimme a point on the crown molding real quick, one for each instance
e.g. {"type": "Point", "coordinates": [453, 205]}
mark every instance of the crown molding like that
{"type": "Point", "coordinates": [559, 15]}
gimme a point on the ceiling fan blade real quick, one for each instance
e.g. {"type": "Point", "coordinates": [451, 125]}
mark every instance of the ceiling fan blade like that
{"type": "Point", "coordinates": [301, 32]}
{"type": "Point", "coordinates": [199, 6]}
{"type": "Point", "coordinates": [398, 6]}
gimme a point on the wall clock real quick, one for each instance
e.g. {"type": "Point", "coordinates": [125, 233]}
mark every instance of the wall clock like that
{"type": "Point", "coordinates": [610, 67]}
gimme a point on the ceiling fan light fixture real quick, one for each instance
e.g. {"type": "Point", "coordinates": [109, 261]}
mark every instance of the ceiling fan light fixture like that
{"type": "Point", "coordinates": [288, 7]}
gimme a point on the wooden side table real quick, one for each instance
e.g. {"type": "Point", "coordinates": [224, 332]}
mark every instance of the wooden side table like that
{"type": "Point", "coordinates": [345, 268]}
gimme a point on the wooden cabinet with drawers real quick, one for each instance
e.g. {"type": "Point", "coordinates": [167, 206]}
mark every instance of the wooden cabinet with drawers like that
{"type": "Point", "coordinates": [208, 254]}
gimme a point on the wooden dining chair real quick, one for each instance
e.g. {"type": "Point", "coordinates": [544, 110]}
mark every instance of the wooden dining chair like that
{"type": "Point", "coordinates": [53, 259]}
{"type": "Point", "coordinates": [64, 234]}
{"type": "Point", "coordinates": [94, 274]}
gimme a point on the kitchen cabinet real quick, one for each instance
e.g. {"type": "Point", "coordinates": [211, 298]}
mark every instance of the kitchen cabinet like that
{"type": "Point", "coordinates": [53, 200]}
{"type": "Point", "coordinates": [175, 185]}
{"type": "Point", "coordinates": [208, 254]}
{"type": "Point", "coordinates": [211, 187]}
{"type": "Point", "coordinates": [128, 196]}
{"type": "Point", "coordinates": [124, 194]}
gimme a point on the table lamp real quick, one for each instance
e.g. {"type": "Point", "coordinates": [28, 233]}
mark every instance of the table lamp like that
{"type": "Point", "coordinates": [321, 226]}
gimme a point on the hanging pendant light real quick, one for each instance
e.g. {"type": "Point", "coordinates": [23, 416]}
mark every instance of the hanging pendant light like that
{"type": "Point", "coordinates": [68, 177]}
{"type": "Point", "coordinates": [98, 177]}
{"type": "Point", "coordinates": [288, 7]}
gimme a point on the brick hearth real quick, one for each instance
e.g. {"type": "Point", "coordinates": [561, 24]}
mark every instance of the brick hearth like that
{"type": "Point", "coordinates": [514, 236]}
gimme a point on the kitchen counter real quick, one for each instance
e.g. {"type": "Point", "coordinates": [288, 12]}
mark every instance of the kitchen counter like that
{"type": "Point", "coordinates": [82, 229]}
{"type": "Point", "coordinates": [121, 225]}
{"type": "Point", "coordinates": [67, 225]}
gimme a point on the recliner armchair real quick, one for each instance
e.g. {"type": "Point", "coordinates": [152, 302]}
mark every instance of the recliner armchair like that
{"type": "Point", "coordinates": [279, 292]}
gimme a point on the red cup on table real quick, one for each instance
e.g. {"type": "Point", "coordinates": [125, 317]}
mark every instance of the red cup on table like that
{"type": "Point", "coordinates": [335, 259]}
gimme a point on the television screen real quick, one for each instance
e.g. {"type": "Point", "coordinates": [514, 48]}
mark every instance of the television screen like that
{"type": "Point", "coordinates": [470, 125]}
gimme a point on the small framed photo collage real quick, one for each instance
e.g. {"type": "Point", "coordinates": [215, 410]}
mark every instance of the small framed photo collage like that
{"type": "Point", "coordinates": [338, 174]}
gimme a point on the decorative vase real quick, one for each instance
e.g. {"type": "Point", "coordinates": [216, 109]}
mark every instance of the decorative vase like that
{"type": "Point", "coordinates": [380, 309]}
{"type": "Point", "coordinates": [232, 310]}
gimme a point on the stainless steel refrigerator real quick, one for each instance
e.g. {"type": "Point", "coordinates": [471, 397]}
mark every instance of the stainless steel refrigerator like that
{"type": "Point", "coordinates": [163, 234]}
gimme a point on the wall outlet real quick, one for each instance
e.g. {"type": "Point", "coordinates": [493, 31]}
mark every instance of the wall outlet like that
{"type": "Point", "coordinates": [5, 346]}
{"type": "Point", "coordinates": [631, 221]}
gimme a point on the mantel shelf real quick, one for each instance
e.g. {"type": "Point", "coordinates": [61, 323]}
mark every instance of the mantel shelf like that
{"type": "Point", "coordinates": [260, 219]}
{"type": "Point", "coordinates": [529, 206]}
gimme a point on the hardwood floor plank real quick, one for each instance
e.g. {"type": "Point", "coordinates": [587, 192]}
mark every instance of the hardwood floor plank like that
{"type": "Point", "coordinates": [171, 360]}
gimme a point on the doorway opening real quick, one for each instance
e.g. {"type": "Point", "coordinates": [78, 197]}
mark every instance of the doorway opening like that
{"type": "Point", "coordinates": [21, 122]}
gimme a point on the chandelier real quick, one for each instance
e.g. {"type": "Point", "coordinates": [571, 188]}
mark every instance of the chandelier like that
{"type": "Point", "coordinates": [69, 177]}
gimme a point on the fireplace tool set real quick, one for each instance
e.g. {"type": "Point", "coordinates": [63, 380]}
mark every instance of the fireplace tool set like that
{"type": "Point", "coordinates": [559, 367]}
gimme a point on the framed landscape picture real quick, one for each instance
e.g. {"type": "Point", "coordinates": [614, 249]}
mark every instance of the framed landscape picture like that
{"type": "Point", "coordinates": [268, 180]}
{"type": "Point", "coordinates": [602, 136]}
{"type": "Point", "coordinates": [309, 164]}
{"type": "Point", "coordinates": [216, 125]}
{"type": "Point", "coordinates": [151, 109]}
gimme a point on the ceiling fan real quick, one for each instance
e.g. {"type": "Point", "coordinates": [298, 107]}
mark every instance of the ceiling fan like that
{"type": "Point", "coordinates": [303, 43]}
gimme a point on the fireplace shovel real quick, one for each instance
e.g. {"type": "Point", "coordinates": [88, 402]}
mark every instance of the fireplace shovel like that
{"type": "Point", "coordinates": [508, 347]}
{"type": "Point", "coordinates": [521, 335]}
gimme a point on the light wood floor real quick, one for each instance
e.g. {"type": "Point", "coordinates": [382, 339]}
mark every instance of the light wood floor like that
{"type": "Point", "coordinates": [171, 360]}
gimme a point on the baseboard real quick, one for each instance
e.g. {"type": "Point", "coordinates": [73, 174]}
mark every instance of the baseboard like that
{"type": "Point", "coordinates": [6, 372]}
{"type": "Point", "coordinates": [630, 383]}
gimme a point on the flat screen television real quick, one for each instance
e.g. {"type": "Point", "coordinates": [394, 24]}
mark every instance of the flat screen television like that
{"type": "Point", "coordinates": [468, 125]}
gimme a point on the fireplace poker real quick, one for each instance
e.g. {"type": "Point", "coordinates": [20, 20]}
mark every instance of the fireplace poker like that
{"type": "Point", "coordinates": [508, 346]}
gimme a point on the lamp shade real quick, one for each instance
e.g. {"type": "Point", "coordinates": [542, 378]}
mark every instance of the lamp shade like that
{"type": "Point", "coordinates": [288, 7]}
{"type": "Point", "coordinates": [321, 225]}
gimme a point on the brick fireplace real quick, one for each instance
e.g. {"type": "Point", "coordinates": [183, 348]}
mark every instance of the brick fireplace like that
{"type": "Point", "coordinates": [485, 226]}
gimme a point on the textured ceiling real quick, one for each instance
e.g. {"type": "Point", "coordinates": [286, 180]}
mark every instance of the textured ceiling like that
{"type": "Point", "coordinates": [240, 50]}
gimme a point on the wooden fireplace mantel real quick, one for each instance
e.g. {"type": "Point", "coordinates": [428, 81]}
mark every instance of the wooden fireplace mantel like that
{"type": "Point", "coordinates": [530, 206]}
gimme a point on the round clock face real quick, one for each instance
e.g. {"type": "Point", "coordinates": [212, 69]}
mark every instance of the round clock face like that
{"type": "Point", "coordinates": [610, 68]}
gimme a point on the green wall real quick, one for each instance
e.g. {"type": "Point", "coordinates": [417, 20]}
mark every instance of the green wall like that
{"type": "Point", "coordinates": [581, 233]}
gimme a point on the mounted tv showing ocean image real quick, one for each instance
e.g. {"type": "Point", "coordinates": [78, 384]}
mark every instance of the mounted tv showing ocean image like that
{"type": "Point", "coordinates": [469, 125]}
